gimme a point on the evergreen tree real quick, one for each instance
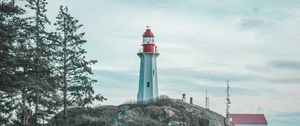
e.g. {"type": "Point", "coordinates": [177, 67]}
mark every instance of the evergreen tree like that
{"type": "Point", "coordinates": [10, 34]}
{"type": "Point", "coordinates": [72, 66]}
{"type": "Point", "coordinates": [36, 65]}
{"type": "Point", "coordinates": [43, 91]}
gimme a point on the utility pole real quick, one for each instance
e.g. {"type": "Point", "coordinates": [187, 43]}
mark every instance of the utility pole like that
{"type": "Point", "coordinates": [227, 101]}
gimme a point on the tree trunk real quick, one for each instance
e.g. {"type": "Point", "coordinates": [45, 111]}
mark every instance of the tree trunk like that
{"type": "Point", "coordinates": [37, 37]}
{"type": "Point", "coordinates": [36, 108]}
{"type": "Point", "coordinates": [65, 101]}
{"type": "Point", "coordinates": [65, 77]}
{"type": "Point", "coordinates": [24, 111]}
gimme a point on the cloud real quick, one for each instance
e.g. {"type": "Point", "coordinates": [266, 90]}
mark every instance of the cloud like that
{"type": "Point", "coordinates": [283, 118]}
{"type": "Point", "coordinates": [250, 23]}
{"type": "Point", "coordinates": [287, 80]}
{"type": "Point", "coordinates": [209, 75]}
{"type": "Point", "coordinates": [117, 86]}
{"type": "Point", "coordinates": [285, 64]}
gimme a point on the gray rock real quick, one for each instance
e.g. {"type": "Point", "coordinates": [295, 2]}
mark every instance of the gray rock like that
{"type": "Point", "coordinates": [164, 112]}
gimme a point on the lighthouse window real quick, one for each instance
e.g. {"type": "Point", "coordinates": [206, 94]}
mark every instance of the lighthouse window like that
{"type": "Point", "coordinates": [148, 40]}
{"type": "Point", "coordinates": [148, 84]}
{"type": "Point", "coordinates": [153, 72]}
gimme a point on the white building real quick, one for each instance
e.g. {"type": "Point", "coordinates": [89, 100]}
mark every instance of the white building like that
{"type": "Point", "coordinates": [148, 88]}
{"type": "Point", "coordinates": [248, 119]}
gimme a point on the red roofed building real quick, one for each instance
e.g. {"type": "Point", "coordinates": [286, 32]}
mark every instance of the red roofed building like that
{"type": "Point", "coordinates": [248, 119]}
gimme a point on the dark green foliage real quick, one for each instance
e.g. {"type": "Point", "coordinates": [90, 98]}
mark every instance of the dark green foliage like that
{"type": "Point", "coordinates": [11, 34]}
{"type": "Point", "coordinates": [72, 68]}
{"type": "Point", "coordinates": [42, 93]}
{"type": "Point", "coordinates": [37, 67]}
{"type": "Point", "coordinates": [203, 122]}
{"type": "Point", "coordinates": [85, 116]}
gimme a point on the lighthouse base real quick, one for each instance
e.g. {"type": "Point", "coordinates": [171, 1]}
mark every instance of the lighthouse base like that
{"type": "Point", "coordinates": [148, 88]}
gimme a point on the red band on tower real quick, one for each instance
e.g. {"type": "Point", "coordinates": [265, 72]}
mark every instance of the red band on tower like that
{"type": "Point", "coordinates": [148, 47]}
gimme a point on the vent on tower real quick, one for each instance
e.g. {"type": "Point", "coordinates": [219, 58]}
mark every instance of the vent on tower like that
{"type": "Point", "coordinates": [191, 100]}
{"type": "Point", "coordinates": [183, 97]}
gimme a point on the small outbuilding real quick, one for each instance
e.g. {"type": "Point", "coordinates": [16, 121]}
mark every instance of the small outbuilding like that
{"type": "Point", "coordinates": [248, 119]}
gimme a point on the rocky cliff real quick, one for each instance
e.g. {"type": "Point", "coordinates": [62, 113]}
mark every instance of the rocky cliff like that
{"type": "Point", "coordinates": [164, 112]}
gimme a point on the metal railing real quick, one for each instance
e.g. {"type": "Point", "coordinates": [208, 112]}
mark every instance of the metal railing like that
{"type": "Point", "coordinates": [162, 97]}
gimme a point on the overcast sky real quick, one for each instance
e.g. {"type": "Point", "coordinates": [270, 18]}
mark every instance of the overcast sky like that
{"type": "Point", "coordinates": [202, 43]}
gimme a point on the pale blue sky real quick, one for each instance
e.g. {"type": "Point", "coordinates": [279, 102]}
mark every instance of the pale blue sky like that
{"type": "Point", "coordinates": [202, 43]}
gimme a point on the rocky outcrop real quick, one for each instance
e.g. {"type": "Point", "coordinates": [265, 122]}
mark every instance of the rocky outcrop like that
{"type": "Point", "coordinates": [164, 112]}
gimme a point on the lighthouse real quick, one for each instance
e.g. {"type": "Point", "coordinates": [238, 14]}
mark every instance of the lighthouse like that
{"type": "Point", "coordinates": [148, 86]}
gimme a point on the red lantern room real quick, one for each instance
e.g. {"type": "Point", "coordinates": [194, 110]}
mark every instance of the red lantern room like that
{"type": "Point", "coordinates": [148, 41]}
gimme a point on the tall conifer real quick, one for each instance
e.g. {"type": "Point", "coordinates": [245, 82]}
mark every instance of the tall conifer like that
{"type": "Point", "coordinates": [73, 67]}
{"type": "Point", "coordinates": [11, 29]}
{"type": "Point", "coordinates": [44, 88]}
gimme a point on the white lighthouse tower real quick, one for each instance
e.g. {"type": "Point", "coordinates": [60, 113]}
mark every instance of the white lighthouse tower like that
{"type": "Point", "coordinates": [148, 88]}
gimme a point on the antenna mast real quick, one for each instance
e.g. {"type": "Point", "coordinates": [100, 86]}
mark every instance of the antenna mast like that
{"type": "Point", "coordinates": [206, 100]}
{"type": "Point", "coordinates": [227, 101]}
